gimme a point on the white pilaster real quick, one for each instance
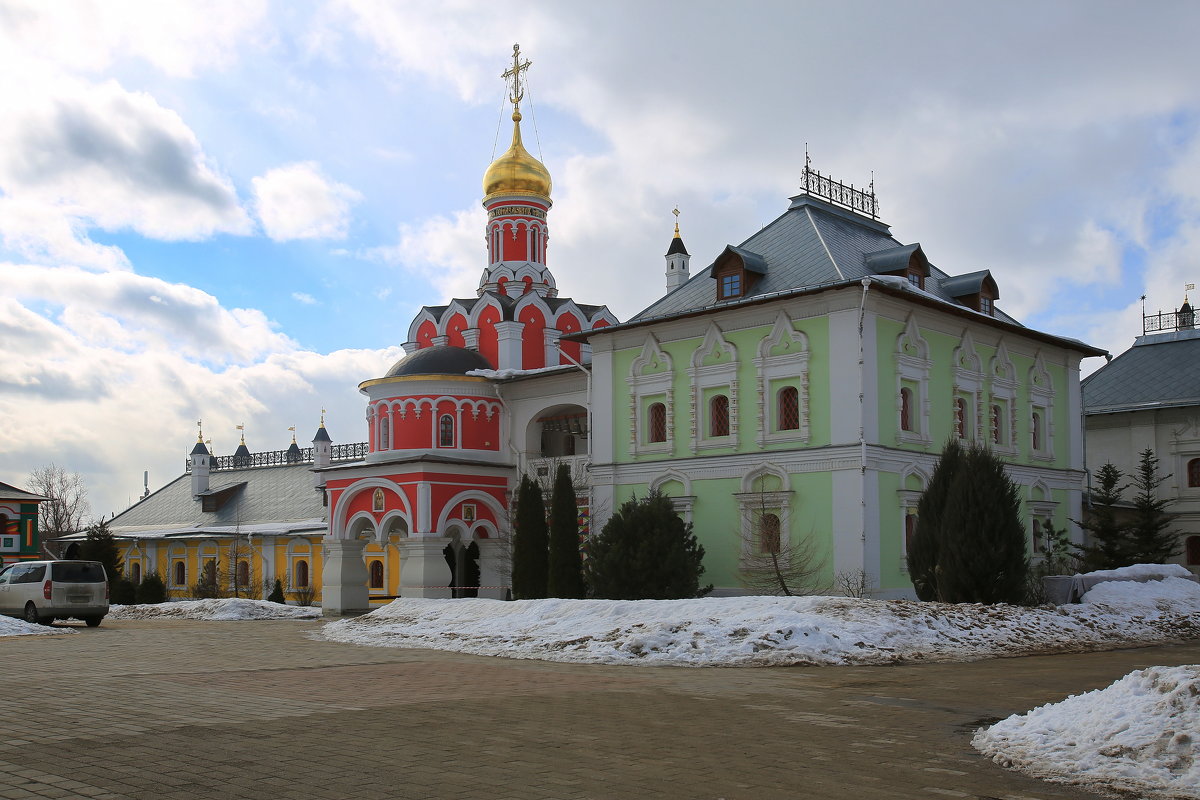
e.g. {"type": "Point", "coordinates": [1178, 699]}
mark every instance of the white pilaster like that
{"type": "Point", "coordinates": [344, 577]}
{"type": "Point", "coordinates": [508, 336]}
{"type": "Point", "coordinates": [423, 568]}
{"type": "Point", "coordinates": [493, 572]}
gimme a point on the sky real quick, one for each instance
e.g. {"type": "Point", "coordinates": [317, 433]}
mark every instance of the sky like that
{"type": "Point", "coordinates": [231, 211]}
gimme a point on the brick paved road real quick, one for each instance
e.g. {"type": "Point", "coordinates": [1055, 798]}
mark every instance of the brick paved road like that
{"type": "Point", "coordinates": [258, 710]}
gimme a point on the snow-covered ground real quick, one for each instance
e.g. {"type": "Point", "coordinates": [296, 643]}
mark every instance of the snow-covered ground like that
{"type": "Point", "coordinates": [777, 631]}
{"type": "Point", "coordinates": [1141, 736]}
{"type": "Point", "coordinates": [11, 626]}
{"type": "Point", "coordinates": [221, 610]}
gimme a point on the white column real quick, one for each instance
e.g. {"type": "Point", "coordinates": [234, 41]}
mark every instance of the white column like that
{"type": "Point", "coordinates": [344, 577]}
{"type": "Point", "coordinates": [508, 336]}
{"type": "Point", "coordinates": [423, 568]}
{"type": "Point", "coordinates": [552, 335]}
{"type": "Point", "coordinates": [493, 569]}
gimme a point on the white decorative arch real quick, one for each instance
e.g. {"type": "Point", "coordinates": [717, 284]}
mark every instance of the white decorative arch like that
{"type": "Point", "coordinates": [492, 503]}
{"type": "Point", "coordinates": [714, 342]}
{"type": "Point", "coordinates": [763, 470]}
{"type": "Point", "coordinates": [338, 526]}
{"type": "Point", "coordinates": [424, 315]}
{"type": "Point", "coordinates": [381, 533]}
{"type": "Point", "coordinates": [360, 521]}
{"type": "Point", "coordinates": [483, 303]}
{"type": "Point", "coordinates": [1003, 377]}
{"type": "Point", "coordinates": [683, 503]}
{"type": "Point", "coordinates": [753, 503]}
{"type": "Point", "coordinates": [652, 355]}
{"type": "Point", "coordinates": [968, 387]}
{"type": "Point", "coordinates": [1041, 402]}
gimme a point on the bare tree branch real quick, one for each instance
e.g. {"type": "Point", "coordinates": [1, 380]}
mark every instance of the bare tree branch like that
{"type": "Point", "coordinates": [64, 512]}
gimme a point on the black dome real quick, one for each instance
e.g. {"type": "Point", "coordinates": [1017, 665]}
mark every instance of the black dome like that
{"type": "Point", "coordinates": [438, 360]}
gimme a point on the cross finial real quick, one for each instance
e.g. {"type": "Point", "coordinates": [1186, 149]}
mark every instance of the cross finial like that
{"type": "Point", "coordinates": [675, 211]}
{"type": "Point", "coordinates": [513, 74]}
{"type": "Point", "coordinates": [199, 430]}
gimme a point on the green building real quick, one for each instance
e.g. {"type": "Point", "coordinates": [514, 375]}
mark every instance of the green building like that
{"type": "Point", "coordinates": [794, 395]}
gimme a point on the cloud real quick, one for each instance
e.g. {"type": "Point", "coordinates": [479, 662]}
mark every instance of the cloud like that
{"type": "Point", "coordinates": [447, 252]}
{"type": "Point", "coordinates": [305, 298]}
{"type": "Point", "coordinates": [297, 202]}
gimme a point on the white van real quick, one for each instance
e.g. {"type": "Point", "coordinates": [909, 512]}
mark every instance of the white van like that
{"type": "Point", "coordinates": [43, 591]}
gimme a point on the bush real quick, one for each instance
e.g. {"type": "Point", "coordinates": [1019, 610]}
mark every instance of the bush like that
{"type": "Point", "coordinates": [276, 595]}
{"type": "Point", "coordinates": [99, 545]}
{"type": "Point", "coordinates": [122, 592]}
{"type": "Point", "coordinates": [1108, 546]}
{"type": "Point", "coordinates": [645, 552]}
{"type": "Point", "coordinates": [566, 568]}
{"type": "Point", "coordinates": [151, 590]}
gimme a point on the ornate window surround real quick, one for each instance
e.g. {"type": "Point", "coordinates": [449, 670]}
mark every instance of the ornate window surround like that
{"type": "Point", "coordinates": [908, 500]}
{"type": "Point", "coordinates": [912, 369]}
{"type": "Point", "coordinates": [713, 376]}
{"type": "Point", "coordinates": [968, 384]}
{"type": "Point", "coordinates": [1041, 398]}
{"type": "Point", "coordinates": [1003, 378]}
{"type": "Point", "coordinates": [753, 503]}
{"type": "Point", "coordinates": [774, 373]}
{"type": "Point", "coordinates": [646, 389]}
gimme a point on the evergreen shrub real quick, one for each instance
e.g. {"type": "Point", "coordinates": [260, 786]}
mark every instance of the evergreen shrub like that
{"type": "Point", "coordinates": [151, 590]}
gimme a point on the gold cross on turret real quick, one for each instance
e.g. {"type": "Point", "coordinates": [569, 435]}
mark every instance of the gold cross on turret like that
{"type": "Point", "coordinates": [514, 74]}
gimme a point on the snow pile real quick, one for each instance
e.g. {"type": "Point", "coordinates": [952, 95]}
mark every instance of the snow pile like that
{"type": "Point", "coordinates": [10, 626]}
{"type": "Point", "coordinates": [777, 631]}
{"type": "Point", "coordinates": [220, 610]}
{"type": "Point", "coordinates": [505, 374]}
{"type": "Point", "coordinates": [1141, 735]}
{"type": "Point", "coordinates": [1142, 572]}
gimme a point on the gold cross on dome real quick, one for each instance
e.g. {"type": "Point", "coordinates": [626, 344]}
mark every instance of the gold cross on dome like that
{"type": "Point", "coordinates": [514, 74]}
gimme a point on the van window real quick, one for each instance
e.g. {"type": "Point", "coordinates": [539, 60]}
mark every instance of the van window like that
{"type": "Point", "coordinates": [77, 572]}
{"type": "Point", "coordinates": [32, 573]}
{"type": "Point", "coordinates": [4, 574]}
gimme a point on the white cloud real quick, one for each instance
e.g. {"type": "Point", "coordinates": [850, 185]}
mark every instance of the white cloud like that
{"type": "Point", "coordinates": [298, 202]}
{"type": "Point", "coordinates": [446, 252]}
{"type": "Point", "coordinates": [305, 298]}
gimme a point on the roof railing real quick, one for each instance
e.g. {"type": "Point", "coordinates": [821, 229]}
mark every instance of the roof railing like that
{"type": "Point", "coordinates": [845, 195]}
{"type": "Point", "coordinates": [274, 458]}
{"type": "Point", "coordinates": [1167, 321]}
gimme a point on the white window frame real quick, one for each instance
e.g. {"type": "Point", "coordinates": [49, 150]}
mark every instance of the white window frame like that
{"type": "Point", "coordinates": [912, 367]}
{"type": "Point", "coordinates": [776, 372]}
{"type": "Point", "coordinates": [718, 377]}
{"type": "Point", "coordinates": [645, 389]}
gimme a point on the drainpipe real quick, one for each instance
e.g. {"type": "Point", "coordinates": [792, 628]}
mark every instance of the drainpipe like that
{"type": "Point", "coordinates": [862, 423]}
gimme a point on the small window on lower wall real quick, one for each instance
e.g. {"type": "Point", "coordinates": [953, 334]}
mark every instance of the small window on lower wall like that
{"type": "Point", "coordinates": [657, 423]}
{"type": "Point", "coordinates": [179, 574]}
{"type": "Point", "coordinates": [376, 574]}
{"type": "Point", "coordinates": [301, 574]}
{"type": "Point", "coordinates": [135, 573]}
{"type": "Point", "coordinates": [1193, 473]}
{"type": "Point", "coordinates": [768, 533]}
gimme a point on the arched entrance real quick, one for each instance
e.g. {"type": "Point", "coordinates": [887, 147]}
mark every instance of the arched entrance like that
{"type": "Point", "coordinates": [463, 561]}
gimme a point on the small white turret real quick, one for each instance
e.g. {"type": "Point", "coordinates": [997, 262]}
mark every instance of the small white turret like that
{"type": "Point", "coordinates": [677, 259]}
{"type": "Point", "coordinates": [322, 453]}
{"type": "Point", "coordinates": [201, 467]}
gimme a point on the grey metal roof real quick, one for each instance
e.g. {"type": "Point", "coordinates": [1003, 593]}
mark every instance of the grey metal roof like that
{"type": "Point", "coordinates": [270, 495]}
{"type": "Point", "coordinates": [8, 492]}
{"type": "Point", "coordinates": [677, 246]}
{"type": "Point", "coordinates": [1160, 370]}
{"type": "Point", "coordinates": [441, 359]}
{"type": "Point", "coordinates": [971, 283]}
{"type": "Point", "coordinates": [813, 243]}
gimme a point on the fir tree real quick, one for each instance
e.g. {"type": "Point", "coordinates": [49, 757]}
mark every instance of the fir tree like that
{"type": "Point", "coordinates": [981, 549]}
{"type": "Point", "coordinates": [645, 552]}
{"type": "Point", "coordinates": [276, 595]}
{"type": "Point", "coordinates": [530, 543]}
{"type": "Point", "coordinates": [923, 551]}
{"type": "Point", "coordinates": [99, 545]}
{"type": "Point", "coordinates": [1108, 546]}
{"type": "Point", "coordinates": [566, 568]}
{"type": "Point", "coordinates": [1150, 538]}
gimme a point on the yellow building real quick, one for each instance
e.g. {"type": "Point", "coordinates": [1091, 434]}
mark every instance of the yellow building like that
{"type": "Point", "coordinates": [232, 525]}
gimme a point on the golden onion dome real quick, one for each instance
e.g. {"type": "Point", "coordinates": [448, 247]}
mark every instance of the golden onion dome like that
{"type": "Point", "coordinates": [516, 172]}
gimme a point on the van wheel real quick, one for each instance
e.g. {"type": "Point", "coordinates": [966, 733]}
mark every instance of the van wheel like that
{"type": "Point", "coordinates": [31, 614]}
{"type": "Point", "coordinates": [93, 622]}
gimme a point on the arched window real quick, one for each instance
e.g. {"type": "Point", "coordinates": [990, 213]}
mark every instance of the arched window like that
{"type": "Point", "coordinates": [301, 574]}
{"type": "Point", "coordinates": [995, 424]}
{"type": "Point", "coordinates": [906, 409]}
{"type": "Point", "coordinates": [376, 574]}
{"type": "Point", "coordinates": [1035, 433]}
{"type": "Point", "coordinates": [718, 416]}
{"type": "Point", "coordinates": [960, 417]}
{"type": "Point", "coordinates": [243, 574]}
{"type": "Point", "coordinates": [1193, 550]}
{"type": "Point", "coordinates": [658, 423]}
{"type": "Point", "coordinates": [788, 409]}
{"type": "Point", "coordinates": [180, 574]}
{"type": "Point", "coordinates": [1037, 535]}
{"type": "Point", "coordinates": [135, 572]}
{"type": "Point", "coordinates": [768, 533]}
{"type": "Point", "coordinates": [385, 432]}
{"type": "Point", "coordinates": [446, 431]}
{"type": "Point", "coordinates": [1193, 472]}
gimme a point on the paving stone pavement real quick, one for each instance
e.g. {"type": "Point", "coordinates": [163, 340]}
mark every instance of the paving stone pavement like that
{"type": "Point", "coordinates": [178, 709]}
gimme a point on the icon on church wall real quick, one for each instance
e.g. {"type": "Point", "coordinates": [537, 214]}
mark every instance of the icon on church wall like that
{"type": "Point", "coordinates": [377, 500]}
{"type": "Point", "coordinates": [468, 512]}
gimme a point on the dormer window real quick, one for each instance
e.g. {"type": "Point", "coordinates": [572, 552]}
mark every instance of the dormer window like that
{"type": "Point", "coordinates": [985, 305]}
{"type": "Point", "coordinates": [977, 291]}
{"type": "Point", "coordinates": [907, 261]}
{"type": "Point", "coordinates": [916, 279]}
{"type": "Point", "coordinates": [735, 271]}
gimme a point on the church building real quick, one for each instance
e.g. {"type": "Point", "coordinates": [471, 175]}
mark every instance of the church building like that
{"type": "Point", "coordinates": [798, 389]}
